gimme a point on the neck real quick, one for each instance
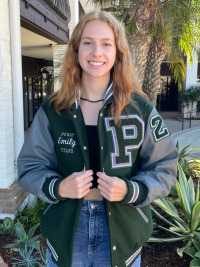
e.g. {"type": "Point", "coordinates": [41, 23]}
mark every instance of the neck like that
{"type": "Point", "coordinates": [94, 89]}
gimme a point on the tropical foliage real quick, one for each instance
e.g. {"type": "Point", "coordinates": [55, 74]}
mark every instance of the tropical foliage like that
{"type": "Point", "coordinates": [30, 258]}
{"type": "Point", "coordinates": [188, 161]}
{"type": "Point", "coordinates": [7, 227]}
{"type": "Point", "coordinates": [194, 252]}
{"type": "Point", "coordinates": [30, 215]}
{"type": "Point", "coordinates": [24, 239]}
{"type": "Point", "coordinates": [192, 94]}
{"type": "Point", "coordinates": [157, 28]}
{"type": "Point", "coordinates": [184, 227]}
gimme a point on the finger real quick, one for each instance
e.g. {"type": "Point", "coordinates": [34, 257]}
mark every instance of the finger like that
{"type": "Point", "coordinates": [106, 194]}
{"type": "Point", "coordinates": [104, 177]}
{"type": "Point", "coordinates": [85, 181]}
{"type": "Point", "coordinates": [102, 182]}
{"type": "Point", "coordinates": [83, 193]}
{"type": "Point", "coordinates": [84, 174]}
{"type": "Point", "coordinates": [103, 189]}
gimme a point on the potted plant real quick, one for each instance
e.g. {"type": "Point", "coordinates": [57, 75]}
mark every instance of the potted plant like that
{"type": "Point", "coordinates": [189, 98]}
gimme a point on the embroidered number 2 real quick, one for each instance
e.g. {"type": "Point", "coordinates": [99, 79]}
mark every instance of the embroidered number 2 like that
{"type": "Point", "coordinates": [159, 131]}
{"type": "Point", "coordinates": [126, 138]}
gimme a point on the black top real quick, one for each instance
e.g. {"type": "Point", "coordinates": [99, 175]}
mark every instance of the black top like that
{"type": "Point", "coordinates": [93, 143]}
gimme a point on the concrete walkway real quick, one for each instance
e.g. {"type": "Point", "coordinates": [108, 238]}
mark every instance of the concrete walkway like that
{"type": "Point", "coordinates": [188, 136]}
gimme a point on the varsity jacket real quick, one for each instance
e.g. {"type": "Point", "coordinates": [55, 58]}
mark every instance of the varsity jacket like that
{"type": "Point", "coordinates": [139, 150]}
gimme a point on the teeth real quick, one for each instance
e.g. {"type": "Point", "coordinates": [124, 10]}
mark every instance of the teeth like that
{"type": "Point", "coordinates": [96, 63]}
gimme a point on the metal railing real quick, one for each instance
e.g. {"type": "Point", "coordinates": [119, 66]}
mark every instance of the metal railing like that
{"type": "Point", "coordinates": [189, 116]}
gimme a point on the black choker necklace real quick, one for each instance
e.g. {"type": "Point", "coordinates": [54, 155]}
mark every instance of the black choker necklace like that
{"type": "Point", "coordinates": [91, 101]}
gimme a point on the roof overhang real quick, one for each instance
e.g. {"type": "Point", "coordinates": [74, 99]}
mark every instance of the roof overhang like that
{"type": "Point", "coordinates": [46, 18]}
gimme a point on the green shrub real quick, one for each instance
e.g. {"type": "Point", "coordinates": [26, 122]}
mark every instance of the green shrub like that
{"type": "Point", "coordinates": [7, 227]}
{"type": "Point", "coordinates": [187, 226]}
{"type": "Point", "coordinates": [194, 252]}
{"type": "Point", "coordinates": [24, 239]}
{"type": "Point", "coordinates": [188, 162]}
{"type": "Point", "coordinates": [30, 215]}
{"type": "Point", "coordinates": [30, 257]}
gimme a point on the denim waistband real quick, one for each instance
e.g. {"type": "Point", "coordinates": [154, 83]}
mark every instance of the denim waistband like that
{"type": "Point", "coordinates": [93, 205]}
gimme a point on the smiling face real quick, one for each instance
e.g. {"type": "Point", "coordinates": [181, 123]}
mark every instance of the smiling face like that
{"type": "Point", "coordinates": [97, 50]}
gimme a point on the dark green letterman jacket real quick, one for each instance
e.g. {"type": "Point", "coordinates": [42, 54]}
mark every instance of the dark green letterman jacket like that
{"type": "Point", "coordinates": [140, 151]}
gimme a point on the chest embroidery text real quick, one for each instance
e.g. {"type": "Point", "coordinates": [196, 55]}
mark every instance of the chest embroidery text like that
{"type": "Point", "coordinates": [68, 140]}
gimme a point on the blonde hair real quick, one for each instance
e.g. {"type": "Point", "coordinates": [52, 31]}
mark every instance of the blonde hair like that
{"type": "Point", "coordinates": [124, 81]}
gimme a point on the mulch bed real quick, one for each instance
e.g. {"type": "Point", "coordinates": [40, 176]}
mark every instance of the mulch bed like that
{"type": "Point", "coordinates": [153, 255]}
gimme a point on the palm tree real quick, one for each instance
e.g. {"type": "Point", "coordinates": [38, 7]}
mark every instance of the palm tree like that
{"type": "Point", "coordinates": [156, 28]}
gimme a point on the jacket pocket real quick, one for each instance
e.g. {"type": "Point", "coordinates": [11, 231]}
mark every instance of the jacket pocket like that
{"type": "Point", "coordinates": [132, 257]}
{"type": "Point", "coordinates": [53, 252]}
{"type": "Point", "coordinates": [146, 219]}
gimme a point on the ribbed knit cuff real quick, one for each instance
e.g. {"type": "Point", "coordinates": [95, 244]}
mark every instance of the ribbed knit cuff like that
{"type": "Point", "coordinates": [50, 188]}
{"type": "Point", "coordinates": [137, 192]}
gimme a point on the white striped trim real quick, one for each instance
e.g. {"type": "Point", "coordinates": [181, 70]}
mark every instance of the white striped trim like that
{"type": "Point", "coordinates": [132, 257]}
{"type": "Point", "coordinates": [52, 250]}
{"type": "Point", "coordinates": [51, 186]}
{"type": "Point", "coordinates": [108, 93]}
{"type": "Point", "coordinates": [136, 191]}
{"type": "Point", "coordinates": [143, 215]}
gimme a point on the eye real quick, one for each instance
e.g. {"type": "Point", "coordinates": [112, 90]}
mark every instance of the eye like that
{"type": "Point", "coordinates": [107, 44]}
{"type": "Point", "coordinates": [87, 43]}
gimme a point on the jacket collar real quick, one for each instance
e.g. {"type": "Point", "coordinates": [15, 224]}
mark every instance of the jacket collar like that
{"type": "Point", "coordinates": [107, 97]}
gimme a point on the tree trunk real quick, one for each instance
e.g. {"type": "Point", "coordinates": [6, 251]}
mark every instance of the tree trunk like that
{"type": "Point", "coordinates": [151, 83]}
{"type": "Point", "coordinates": [144, 15]}
{"type": "Point", "coordinates": [139, 46]}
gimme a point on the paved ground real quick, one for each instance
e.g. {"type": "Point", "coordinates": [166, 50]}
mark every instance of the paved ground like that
{"type": "Point", "coordinates": [187, 136]}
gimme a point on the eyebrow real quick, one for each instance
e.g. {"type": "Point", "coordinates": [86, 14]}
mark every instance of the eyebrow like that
{"type": "Point", "coordinates": [104, 39]}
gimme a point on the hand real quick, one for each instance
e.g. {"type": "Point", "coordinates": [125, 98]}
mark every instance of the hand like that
{"type": "Point", "coordinates": [77, 185]}
{"type": "Point", "coordinates": [111, 188]}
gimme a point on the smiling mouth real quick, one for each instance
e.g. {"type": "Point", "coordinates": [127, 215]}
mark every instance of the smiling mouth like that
{"type": "Point", "coordinates": [96, 63]}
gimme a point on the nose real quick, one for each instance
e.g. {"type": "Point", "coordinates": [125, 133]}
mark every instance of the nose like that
{"type": "Point", "coordinates": [97, 51]}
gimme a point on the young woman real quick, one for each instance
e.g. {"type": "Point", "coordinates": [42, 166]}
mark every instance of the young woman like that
{"type": "Point", "coordinates": [97, 153]}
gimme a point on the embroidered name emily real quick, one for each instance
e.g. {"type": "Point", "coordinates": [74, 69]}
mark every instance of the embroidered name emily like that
{"type": "Point", "coordinates": [70, 141]}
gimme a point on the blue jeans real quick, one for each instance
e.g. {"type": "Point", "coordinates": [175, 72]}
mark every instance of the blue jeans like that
{"type": "Point", "coordinates": [91, 247]}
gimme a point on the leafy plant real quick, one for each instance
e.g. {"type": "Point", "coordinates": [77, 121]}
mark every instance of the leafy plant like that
{"type": "Point", "coordinates": [29, 257]}
{"type": "Point", "coordinates": [7, 227]}
{"type": "Point", "coordinates": [190, 95]}
{"type": "Point", "coordinates": [188, 162]}
{"type": "Point", "coordinates": [194, 252]}
{"type": "Point", "coordinates": [187, 226]}
{"type": "Point", "coordinates": [24, 239]}
{"type": "Point", "coordinates": [30, 215]}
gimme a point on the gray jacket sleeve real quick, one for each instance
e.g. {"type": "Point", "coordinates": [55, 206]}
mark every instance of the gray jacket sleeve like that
{"type": "Point", "coordinates": [37, 160]}
{"type": "Point", "coordinates": [158, 157]}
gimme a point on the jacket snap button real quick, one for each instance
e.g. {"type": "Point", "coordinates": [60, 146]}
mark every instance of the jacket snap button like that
{"type": "Point", "coordinates": [101, 114]}
{"type": "Point", "coordinates": [101, 147]}
{"type": "Point", "coordinates": [75, 116]}
{"type": "Point", "coordinates": [114, 248]}
{"type": "Point", "coordinates": [109, 213]}
{"type": "Point", "coordinates": [84, 147]}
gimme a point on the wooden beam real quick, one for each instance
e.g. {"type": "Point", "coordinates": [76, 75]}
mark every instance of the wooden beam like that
{"type": "Point", "coordinates": [39, 18]}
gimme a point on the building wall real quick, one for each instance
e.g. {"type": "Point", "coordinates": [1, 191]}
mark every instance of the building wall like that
{"type": "Point", "coordinates": [7, 174]}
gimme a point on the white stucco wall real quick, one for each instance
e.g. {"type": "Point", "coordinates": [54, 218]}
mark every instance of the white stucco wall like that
{"type": "Point", "coordinates": [191, 72]}
{"type": "Point", "coordinates": [6, 101]}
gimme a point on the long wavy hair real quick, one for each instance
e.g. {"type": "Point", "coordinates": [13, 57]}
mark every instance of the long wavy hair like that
{"type": "Point", "coordinates": [124, 80]}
